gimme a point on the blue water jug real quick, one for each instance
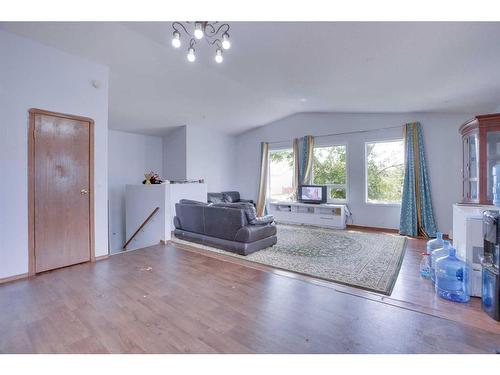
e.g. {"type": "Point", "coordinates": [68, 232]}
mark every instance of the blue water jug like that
{"type": "Point", "coordinates": [435, 255]}
{"type": "Point", "coordinates": [436, 243]}
{"type": "Point", "coordinates": [452, 278]}
{"type": "Point", "coordinates": [425, 269]}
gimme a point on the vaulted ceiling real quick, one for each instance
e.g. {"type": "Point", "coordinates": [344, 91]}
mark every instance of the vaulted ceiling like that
{"type": "Point", "coordinates": [277, 69]}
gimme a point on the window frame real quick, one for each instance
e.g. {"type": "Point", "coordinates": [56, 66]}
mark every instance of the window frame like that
{"type": "Point", "coordinates": [336, 186]}
{"type": "Point", "coordinates": [367, 201]}
{"type": "Point", "coordinates": [284, 147]}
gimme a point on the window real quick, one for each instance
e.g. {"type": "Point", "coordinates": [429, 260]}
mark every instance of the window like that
{"type": "Point", "coordinates": [384, 172]}
{"type": "Point", "coordinates": [329, 168]}
{"type": "Point", "coordinates": [281, 174]}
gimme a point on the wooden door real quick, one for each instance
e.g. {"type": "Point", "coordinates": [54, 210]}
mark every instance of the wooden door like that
{"type": "Point", "coordinates": [62, 183]}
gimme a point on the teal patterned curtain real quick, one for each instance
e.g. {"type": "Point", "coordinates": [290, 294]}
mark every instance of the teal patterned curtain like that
{"type": "Point", "coordinates": [417, 217]}
{"type": "Point", "coordinates": [306, 160]}
{"type": "Point", "coordinates": [296, 168]}
{"type": "Point", "coordinates": [264, 173]}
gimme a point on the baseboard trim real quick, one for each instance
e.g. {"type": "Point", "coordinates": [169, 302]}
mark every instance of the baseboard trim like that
{"type": "Point", "coordinates": [377, 229]}
{"type": "Point", "coordinates": [26, 275]}
{"type": "Point", "coordinates": [14, 278]}
{"type": "Point", "coordinates": [387, 230]}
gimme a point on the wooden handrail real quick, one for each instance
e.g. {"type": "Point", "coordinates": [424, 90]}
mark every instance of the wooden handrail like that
{"type": "Point", "coordinates": [141, 226]}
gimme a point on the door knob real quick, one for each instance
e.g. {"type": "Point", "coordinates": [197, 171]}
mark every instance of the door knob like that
{"type": "Point", "coordinates": [84, 191]}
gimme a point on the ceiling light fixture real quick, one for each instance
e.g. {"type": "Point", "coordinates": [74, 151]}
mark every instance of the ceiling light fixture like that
{"type": "Point", "coordinates": [226, 44]}
{"type": "Point", "coordinates": [198, 32]}
{"type": "Point", "coordinates": [214, 33]}
{"type": "Point", "coordinates": [218, 56]}
{"type": "Point", "coordinates": [191, 56]}
{"type": "Point", "coordinates": [176, 40]}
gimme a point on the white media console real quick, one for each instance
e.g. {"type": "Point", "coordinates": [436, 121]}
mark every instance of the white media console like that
{"type": "Point", "coordinates": [323, 215]}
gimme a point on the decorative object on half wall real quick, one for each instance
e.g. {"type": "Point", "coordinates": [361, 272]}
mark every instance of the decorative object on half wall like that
{"type": "Point", "coordinates": [152, 178]}
{"type": "Point", "coordinates": [215, 35]}
{"type": "Point", "coordinates": [417, 216]}
{"type": "Point", "coordinates": [200, 181]}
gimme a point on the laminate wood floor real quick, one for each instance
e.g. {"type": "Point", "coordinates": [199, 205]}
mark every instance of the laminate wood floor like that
{"type": "Point", "coordinates": [168, 299]}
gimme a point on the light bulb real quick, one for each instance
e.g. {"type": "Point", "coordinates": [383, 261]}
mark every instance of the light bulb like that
{"type": "Point", "coordinates": [226, 44]}
{"type": "Point", "coordinates": [176, 41]}
{"type": "Point", "coordinates": [191, 56]}
{"type": "Point", "coordinates": [218, 56]}
{"type": "Point", "coordinates": [198, 32]}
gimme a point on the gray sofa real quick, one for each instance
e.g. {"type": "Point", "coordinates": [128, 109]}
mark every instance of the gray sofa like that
{"type": "Point", "coordinates": [227, 197]}
{"type": "Point", "coordinates": [225, 226]}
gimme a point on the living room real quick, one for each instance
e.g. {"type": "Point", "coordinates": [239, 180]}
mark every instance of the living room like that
{"type": "Point", "coordinates": [250, 186]}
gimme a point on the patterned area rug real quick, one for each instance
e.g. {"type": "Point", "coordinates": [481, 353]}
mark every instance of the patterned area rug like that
{"type": "Point", "coordinates": [369, 261]}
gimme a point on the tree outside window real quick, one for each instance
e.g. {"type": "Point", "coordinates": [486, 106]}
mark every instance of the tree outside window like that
{"type": "Point", "coordinates": [384, 171]}
{"type": "Point", "coordinates": [330, 169]}
{"type": "Point", "coordinates": [281, 175]}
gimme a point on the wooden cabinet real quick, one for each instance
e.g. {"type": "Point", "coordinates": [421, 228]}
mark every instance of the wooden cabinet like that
{"type": "Point", "coordinates": [481, 151]}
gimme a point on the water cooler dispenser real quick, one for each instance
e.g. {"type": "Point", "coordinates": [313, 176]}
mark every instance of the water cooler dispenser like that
{"type": "Point", "coordinates": [491, 259]}
{"type": "Point", "coordinates": [491, 264]}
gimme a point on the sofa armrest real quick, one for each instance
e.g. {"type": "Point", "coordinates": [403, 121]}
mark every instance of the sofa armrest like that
{"type": "Point", "coordinates": [252, 233]}
{"type": "Point", "coordinates": [263, 220]}
{"type": "Point", "coordinates": [247, 201]}
{"type": "Point", "coordinates": [177, 223]}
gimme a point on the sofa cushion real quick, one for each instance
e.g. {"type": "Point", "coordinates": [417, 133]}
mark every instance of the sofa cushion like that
{"type": "Point", "coordinates": [215, 198]}
{"type": "Point", "coordinates": [250, 212]}
{"type": "Point", "coordinates": [231, 196]}
{"type": "Point", "coordinates": [248, 208]}
{"type": "Point", "coordinates": [189, 201]}
{"type": "Point", "coordinates": [223, 222]}
{"type": "Point", "coordinates": [263, 220]}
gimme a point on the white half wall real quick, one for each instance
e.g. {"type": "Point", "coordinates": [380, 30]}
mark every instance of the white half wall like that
{"type": "Point", "coordinates": [443, 150]}
{"type": "Point", "coordinates": [36, 76]}
{"type": "Point", "coordinates": [130, 156]}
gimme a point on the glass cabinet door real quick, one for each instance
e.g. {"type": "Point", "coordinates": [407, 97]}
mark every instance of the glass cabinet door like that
{"type": "Point", "coordinates": [471, 167]}
{"type": "Point", "coordinates": [492, 158]}
{"type": "Point", "coordinates": [481, 152]}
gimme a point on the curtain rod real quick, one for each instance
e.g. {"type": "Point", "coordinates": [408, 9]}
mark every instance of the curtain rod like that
{"type": "Point", "coordinates": [343, 133]}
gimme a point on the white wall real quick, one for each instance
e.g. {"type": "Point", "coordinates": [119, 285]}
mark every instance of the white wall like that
{"type": "Point", "coordinates": [33, 75]}
{"type": "Point", "coordinates": [130, 156]}
{"type": "Point", "coordinates": [443, 150]}
{"type": "Point", "coordinates": [175, 154]}
{"type": "Point", "coordinates": [192, 152]}
{"type": "Point", "coordinates": [211, 156]}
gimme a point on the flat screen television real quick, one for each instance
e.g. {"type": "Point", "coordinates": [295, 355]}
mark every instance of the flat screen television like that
{"type": "Point", "coordinates": [312, 194]}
